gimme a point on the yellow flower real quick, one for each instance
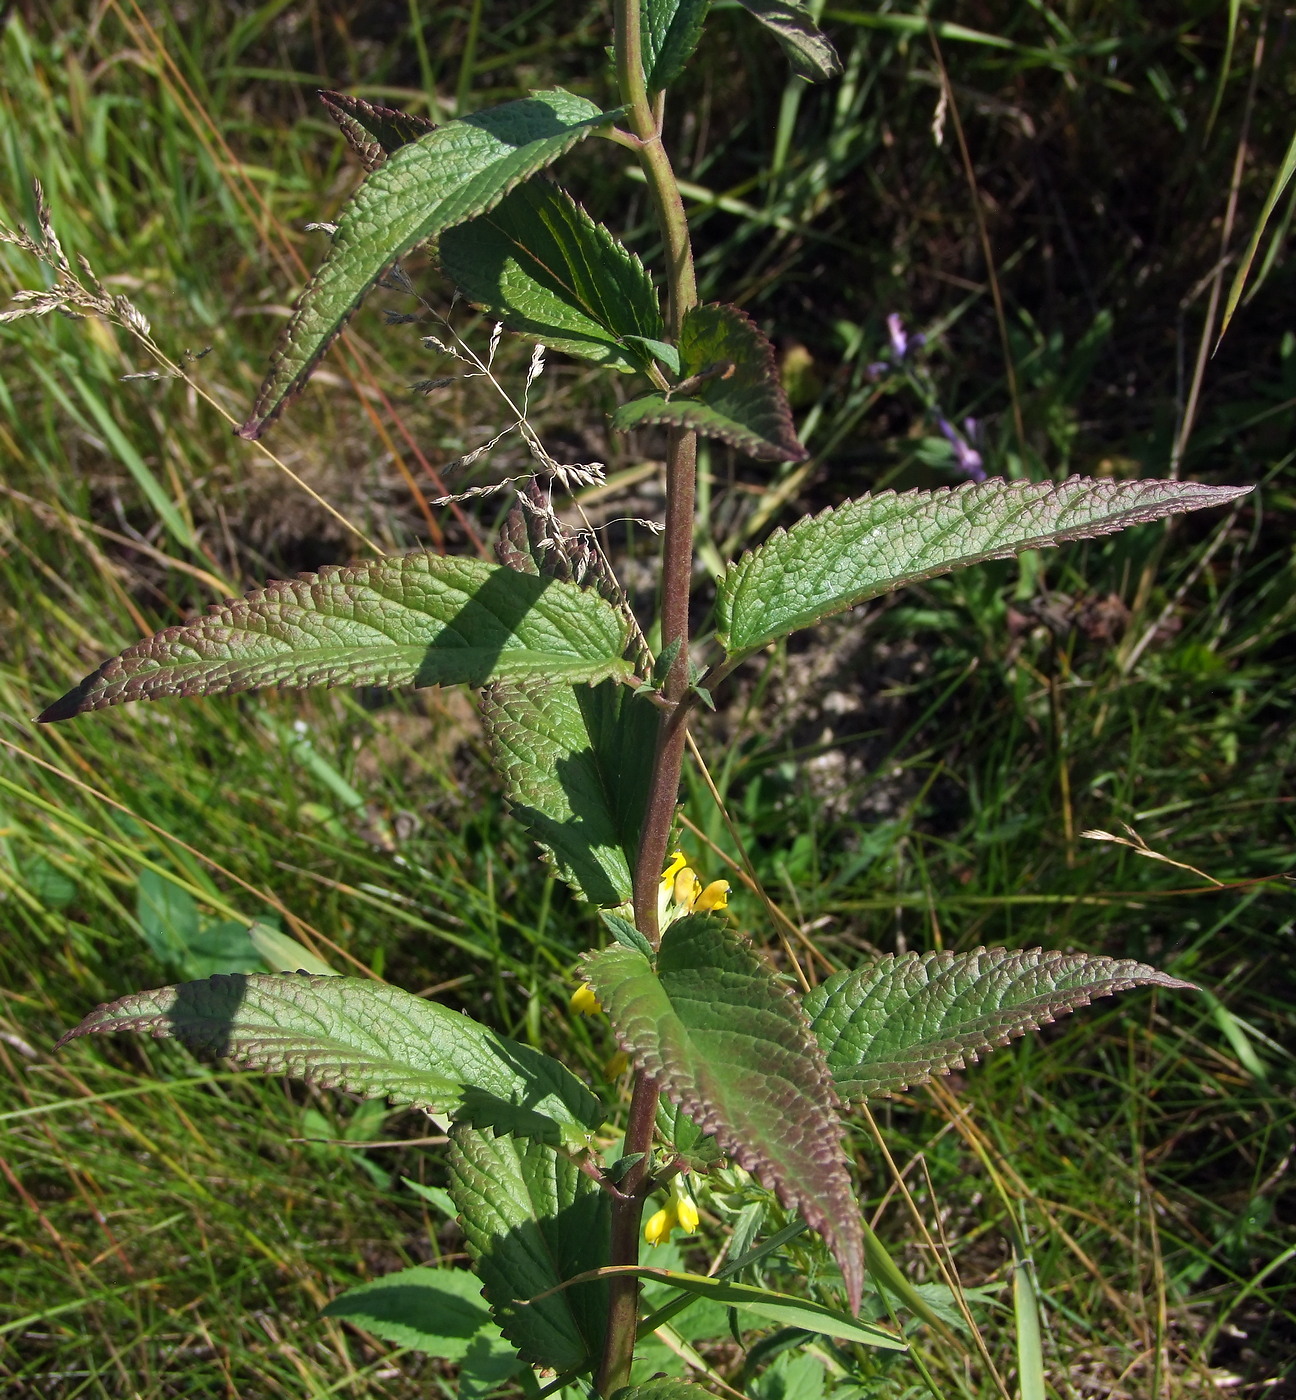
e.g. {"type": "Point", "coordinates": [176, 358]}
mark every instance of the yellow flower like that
{"type": "Point", "coordinates": [687, 1214]}
{"type": "Point", "coordinates": [659, 1226]}
{"type": "Point", "coordinates": [616, 1066]}
{"type": "Point", "coordinates": [715, 896]}
{"type": "Point", "coordinates": [687, 887]}
{"type": "Point", "coordinates": [583, 1001]}
{"type": "Point", "coordinates": [677, 863]}
{"type": "Point", "coordinates": [683, 893]}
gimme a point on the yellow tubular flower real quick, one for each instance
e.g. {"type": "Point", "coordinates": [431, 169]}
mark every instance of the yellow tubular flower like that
{"type": "Point", "coordinates": [687, 1214]}
{"type": "Point", "coordinates": [616, 1066]}
{"type": "Point", "coordinates": [715, 896]}
{"type": "Point", "coordinates": [687, 887]}
{"type": "Point", "coordinates": [583, 1002]}
{"type": "Point", "coordinates": [659, 1226]}
{"type": "Point", "coordinates": [677, 863]}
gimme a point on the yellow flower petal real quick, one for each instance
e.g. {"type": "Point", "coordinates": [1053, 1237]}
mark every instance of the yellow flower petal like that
{"type": "Point", "coordinates": [715, 896]}
{"type": "Point", "coordinates": [677, 863]}
{"type": "Point", "coordinates": [687, 1213]}
{"type": "Point", "coordinates": [616, 1066]}
{"type": "Point", "coordinates": [658, 1228]}
{"type": "Point", "coordinates": [687, 887]}
{"type": "Point", "coordinates": [583, 1002]}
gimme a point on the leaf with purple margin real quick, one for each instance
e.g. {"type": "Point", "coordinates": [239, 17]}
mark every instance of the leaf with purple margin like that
{"type": "Point", "coordinates": [725, 1039]}
{"type": "Point", "coordinates": [904, 1018]}
{"type": "Point", "coordinates": [451, 174]}
{"type": "Point", "coordinates": [806, 47]}
{"type": "Point", "coordinates": [374, 132]}
{"type": "Point", "coordinates": [856, 551]}
{"type": "Point", "coordinates": [730, 389]}
{"type": "Point", "coordinates": [422, 619]}
{"type": "Point", "coordinates": [368, 1038]}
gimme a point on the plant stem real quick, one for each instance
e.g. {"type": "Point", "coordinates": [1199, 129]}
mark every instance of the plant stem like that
{"type": "Point", "coordinates": [677, 569]}
{"type": "Point", "coordinates": [623, 1293]}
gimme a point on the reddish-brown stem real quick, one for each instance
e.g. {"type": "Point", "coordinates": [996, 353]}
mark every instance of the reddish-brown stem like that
{"type": "Point", "coordinates": [644, 121]}
{"type": "Point", "coordinates": [623, 1293]}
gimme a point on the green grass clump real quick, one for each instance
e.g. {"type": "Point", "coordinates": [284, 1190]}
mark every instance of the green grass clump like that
{"type": "Point", "coordinates": [920, 776]}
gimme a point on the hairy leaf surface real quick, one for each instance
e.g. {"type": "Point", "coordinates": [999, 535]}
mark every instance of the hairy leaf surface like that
{"type": "Point", "coordinates": [671, 30]}
{"type": "Point", "coordinates": [577, 761]}
{"type": "Point", "coordinates": [373, 132]}
{"type": "Point", "coordinates": [853, 552]}
{"type": "Point", "coordinates": [452, 173]}
{"type": "Point", "coordinates": [422, 619]}
{"type": "Point", "coordinates": [440, 1312]}
{"type": "Point", "coordinates": [368, 1038]}
{"type": "Point", "coordinates": [806, 47]}
{"type": "Point", "coordinates": [537, 260]}
{"type": "Point", "coordinates": [533, 1220]}
{"type": "Point", "coordinates": [730, 388]}
{"type": "Point", "coordinates": [902, 1019]}
{"type": "Point", "coordinates": [724, 1039]}
{"type": "Point", "coordinates": [540, 264]}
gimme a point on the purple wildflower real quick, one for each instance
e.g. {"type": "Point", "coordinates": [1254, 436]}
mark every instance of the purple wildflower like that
{"type": "Point", "coordinates": [899, 337]}
{"type": "Point", "coordinates": [966, 458]}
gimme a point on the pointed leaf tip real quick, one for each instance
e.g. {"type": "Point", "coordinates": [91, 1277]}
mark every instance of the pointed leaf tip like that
{"type": "Point", "coordinates": [368, 1038]}
{"type": "Point", "coordinates": [444, 177]}
{"type": "Point", "coordinates": [725, 1039]}
{"type": "Point", "coordinates": [902, 1019]}
{"type": "Point", "coordinates": [859, 550]}
{"type": "Point", "coordinates": [373, 132]}
{"type": "Point", "coordinates": [422, 619]}
{"type": "Point", "coordinates": [729, 388]}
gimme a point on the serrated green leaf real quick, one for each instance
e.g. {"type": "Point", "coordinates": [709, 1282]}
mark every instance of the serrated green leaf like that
{"type": "Point", "coordinates": [367, 1038]}
{"type": "Point", "coordinates": [540, 264]}
{"type": "Point", "coordinates": [626, 934]}
{"type": "Point", "coordinates": [537, 260]}
{"type": "Point", "coordinates": [783, 1308]}
{"type": "Point", "coordinates": [806, 47]}
{"type": "Point", "coordinates": [699, 1150]}
{"type": "Point", "coordinates": [670, 32]}
{"type": "Point", "coordinates": [453, 173]}
{"type": "Point", "coordinates": [423, 619]}
{"type": "Point", "coordinates": [372, 132]}
{"type": "Point", "coordinates": [440, 1312]}
{"type": "Point", "coordinates": [730, 388]}
{"type": "Point", "coordinates": [726, 1040]}
{"type": "Point", "coordinates": [577, 761]}
{"type": "Point", "coordinates": [902, 1019]}
{"type": "Point", "coordinates": [533, 1220]}
{"type": "Point", "coordinates": [852, 552]}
